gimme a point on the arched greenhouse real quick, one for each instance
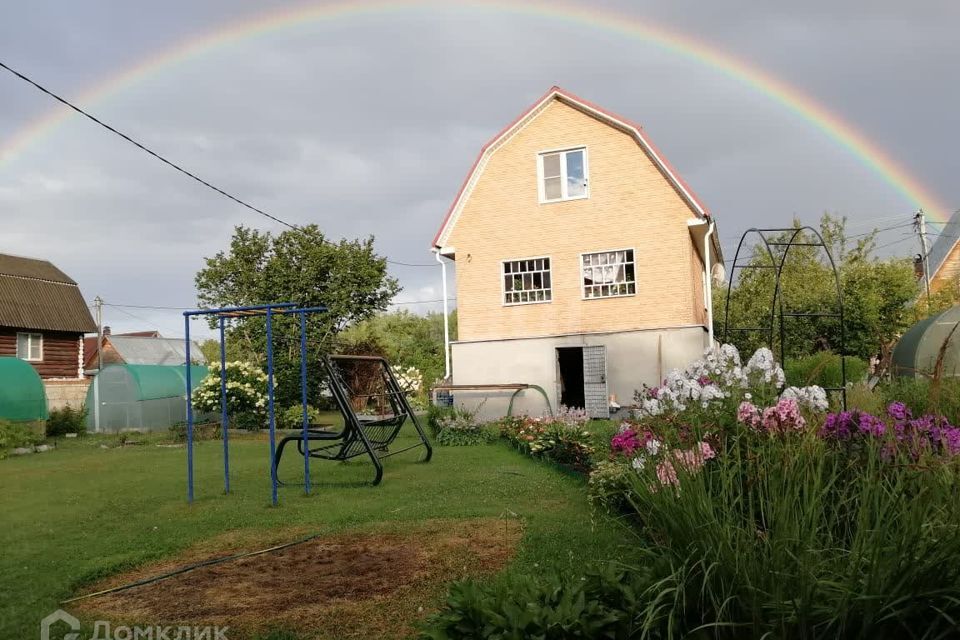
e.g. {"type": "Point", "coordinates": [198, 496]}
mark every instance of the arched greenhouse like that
{"type": "Point", "coordinates": [22, 396]}
{"type": "Point", "coordinates": [145, 397]}
{"type": "Point", "coordinates": [917, 352]}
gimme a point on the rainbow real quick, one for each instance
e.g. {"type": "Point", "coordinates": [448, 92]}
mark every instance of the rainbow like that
{"type": "Point", "coordinates": [792, 99]}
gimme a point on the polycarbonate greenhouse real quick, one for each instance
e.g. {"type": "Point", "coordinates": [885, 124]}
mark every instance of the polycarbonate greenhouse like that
{"type": "Point", "coordinates": [145, 397]}
{"type": "Point", "coordinates": [920, 347]}
{"type": "Point", "coordinates": [22, 397]}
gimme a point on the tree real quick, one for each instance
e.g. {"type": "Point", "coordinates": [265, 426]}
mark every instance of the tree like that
{"type": "Point", "coordinates": [298, 265]}
{"type": "Point", "coordinates": [406, 339]}
{"type": "Point", "coordinates": [876, 295]}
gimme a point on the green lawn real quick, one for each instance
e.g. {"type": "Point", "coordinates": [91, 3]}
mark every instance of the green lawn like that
{"type": "Point", "coordinates": [83, 512]}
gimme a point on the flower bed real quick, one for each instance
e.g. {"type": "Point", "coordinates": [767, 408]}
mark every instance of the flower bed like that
{"type": "Point", "coordinates": [772, 517]}
{"type": "Point", "coordinates": [563, 439]}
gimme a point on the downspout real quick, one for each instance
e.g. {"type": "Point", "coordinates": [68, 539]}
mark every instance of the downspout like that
{"type": "Point", "coordinates": [708, 272]}
{"type": "Point", "coordinates": [446, 318]}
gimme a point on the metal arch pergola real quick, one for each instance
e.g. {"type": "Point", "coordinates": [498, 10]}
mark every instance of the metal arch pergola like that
{"type": "Point", "coordinates": [778, 250]}
{"type": "Point", "coordinates": [222, 314]}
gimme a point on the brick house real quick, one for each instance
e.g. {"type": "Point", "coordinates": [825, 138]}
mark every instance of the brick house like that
{"type": "Point", "coordinates": [43, 317]}
{"type": "Point", "coordinates": [583, 261]}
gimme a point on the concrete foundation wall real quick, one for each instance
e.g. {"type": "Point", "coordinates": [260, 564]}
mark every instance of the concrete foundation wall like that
{"type": "Point", "coordinates": [61, 393]}
{"type": "Point", "coordinates": [633, 358]}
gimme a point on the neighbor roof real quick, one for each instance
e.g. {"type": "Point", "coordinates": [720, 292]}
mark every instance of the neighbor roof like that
{"type": "Point", "coordinates": [940, 251]}
{"type": "Point", "coordinates": [556, 93]}
{"type": "Point", "coordinates": [141, 350]}
{"type": "Point", "coordinates": [34, 294]}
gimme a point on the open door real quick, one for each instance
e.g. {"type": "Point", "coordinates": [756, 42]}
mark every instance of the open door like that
{"type": "Point", "coordinates": [595, 381]}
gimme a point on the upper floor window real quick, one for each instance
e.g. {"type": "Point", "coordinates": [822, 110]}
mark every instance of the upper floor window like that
{"type": "Point", "coordinates": [563, 175]}
{"type": "Point", "coordinates": [608, 274]}
{"type": "Point", "coordinates": [526, 281]}
{"type": "Point", "coordinates": [30, 346]}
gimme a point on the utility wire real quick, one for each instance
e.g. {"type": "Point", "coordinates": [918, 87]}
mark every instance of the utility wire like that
{"type": "Point", "coordinates": [164, 160]}
{"type": "Point", "coordinates": [121, 307]}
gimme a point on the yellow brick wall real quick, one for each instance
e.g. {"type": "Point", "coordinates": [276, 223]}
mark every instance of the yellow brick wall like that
{"type": "Point", "coordinates": [631, 205]}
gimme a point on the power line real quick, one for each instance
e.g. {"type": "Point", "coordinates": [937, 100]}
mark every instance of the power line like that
{"type": "Point", "coordinates": [121, 307]}
{"type": "Point", "coordinates": [164, 160]}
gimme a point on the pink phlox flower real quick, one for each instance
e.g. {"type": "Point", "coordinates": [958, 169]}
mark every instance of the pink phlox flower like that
{"type": "Point", "coordinates": [748, 414]}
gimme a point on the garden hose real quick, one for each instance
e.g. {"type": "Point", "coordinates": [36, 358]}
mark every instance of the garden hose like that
{"type": "Point", "coordinates": [198, 565]}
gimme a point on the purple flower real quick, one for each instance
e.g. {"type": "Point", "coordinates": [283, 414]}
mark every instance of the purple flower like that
{"type": "Point", "coordinates": [898, 411]}
{"type": "Point", "coordinates": [704, 380]}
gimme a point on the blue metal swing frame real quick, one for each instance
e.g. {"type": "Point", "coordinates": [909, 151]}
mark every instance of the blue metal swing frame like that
{"type": "Point", "coordinates": [222, 314]}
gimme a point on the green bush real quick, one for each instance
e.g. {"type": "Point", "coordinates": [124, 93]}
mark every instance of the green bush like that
{"type": "Point", "coordinates": [67, 420]}
{"type": "Point", "coordinates": [924, 396]}
{"type": "Point", "coordinates": [460, 427]}
{"type": "Point", "coordinates": [435, 414]}
{"type": "Point", "coordinates": [823, 369]}
{"type": "Point", "coordinates": [292, 417]}
{"type": "Point", "coordinates": [609, 485]}
{"type": "Point", "coordinates": [14, 435]}
{"type": "Point", "coordinates": [602, 603]}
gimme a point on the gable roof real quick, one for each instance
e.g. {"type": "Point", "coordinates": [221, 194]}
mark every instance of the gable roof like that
{"type": "Point", "coordinates": [612, 119]}
{"type": "Point", "coordinates": [146, 350]}
{"type": "Point", "coordinates": [34, 294]}
{"type": "Point", "coordinates": [940, 251]}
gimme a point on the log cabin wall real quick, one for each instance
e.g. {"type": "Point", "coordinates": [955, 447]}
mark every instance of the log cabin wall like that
{"type": "Point", "coordinates": [61, 351]}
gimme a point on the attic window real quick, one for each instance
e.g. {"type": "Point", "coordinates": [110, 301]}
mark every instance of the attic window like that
{"type": "Point", "coordinates": [30, 346]}
{"type": "Point", "coordinates": [563, 175]}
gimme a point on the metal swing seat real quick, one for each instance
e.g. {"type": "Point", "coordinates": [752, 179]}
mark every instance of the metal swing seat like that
{"type": "Point", "coordinates": [363, 433]}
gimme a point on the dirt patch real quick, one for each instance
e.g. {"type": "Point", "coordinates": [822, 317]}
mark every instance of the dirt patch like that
{"type": "Point", "coordinates": [355, 584]}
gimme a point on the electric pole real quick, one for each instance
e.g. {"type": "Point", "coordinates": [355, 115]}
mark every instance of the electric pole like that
{"type": "Point", "coordinates": [920, 226]}
{"type": "Point", "coordinates": [98, 305]}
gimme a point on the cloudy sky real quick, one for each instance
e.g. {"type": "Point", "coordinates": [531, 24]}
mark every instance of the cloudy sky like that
{"type": "Point", "coordinates": [367, 123]}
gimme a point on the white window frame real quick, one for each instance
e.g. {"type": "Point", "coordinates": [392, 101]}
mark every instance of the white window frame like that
{"type": "Point", "coordinates": [503, 289]}
{"type": "Point", "coordinates": [583, 286]}
{"type": "Point", "coordinates": [541, 192]}
{"type": "Point", "coordinates": [31, 338]}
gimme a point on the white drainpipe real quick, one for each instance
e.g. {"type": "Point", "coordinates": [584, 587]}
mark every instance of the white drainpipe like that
{"type": "Point", "coordinates": [709, 280]}
{"type": "Point", "coordinates": [446, 318]}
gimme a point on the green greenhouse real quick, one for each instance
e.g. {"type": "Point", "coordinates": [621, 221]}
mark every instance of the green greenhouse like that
{"type": "Point", "coordinates": [22, 397]}
{"type": "Point", "coordinates": [144, 397]}
{"type": "Point", "coordinates": [920, 347]}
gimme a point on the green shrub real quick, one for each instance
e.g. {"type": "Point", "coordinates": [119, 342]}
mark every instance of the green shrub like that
{"type": "Point", "coordinates": [67, 420]}
{"type": "Point", "coordinates": [14, 435]}
{"type": "Point", "coordinates": [460, 427]}
{"type": "Point", "coordinates": [292, 417]}
{"type": "Point", "coordinates": [823, 369]}
{"type": "Point", "coordinates": [435, 414]}
{"type": "Point", "coordinates": [609, 485]}
{"type": "Point", "coordinates": [924, 396]}
{"type": "Point", "coordinates": [597, 604]}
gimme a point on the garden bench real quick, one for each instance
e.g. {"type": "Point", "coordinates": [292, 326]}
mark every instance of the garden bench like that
{"type": "Point", "coordinates": [516, 387]}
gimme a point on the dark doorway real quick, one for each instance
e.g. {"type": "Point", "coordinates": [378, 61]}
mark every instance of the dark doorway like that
{"type": "Point", "coordinates": [570, 360]}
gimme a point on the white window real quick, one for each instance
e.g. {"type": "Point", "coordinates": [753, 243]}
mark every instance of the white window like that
{"type": "Point", "coordinates": [608, 274]}
{"type": "Point", "coordinates": [563, 175]}
{"type": "Point", "coordinates": [526, 281]}
{"type": "Point", "coordinates": [30, 346]}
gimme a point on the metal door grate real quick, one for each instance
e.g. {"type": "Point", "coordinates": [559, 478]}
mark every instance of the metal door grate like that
{"type": "Point", "coordinates": [595, 381]}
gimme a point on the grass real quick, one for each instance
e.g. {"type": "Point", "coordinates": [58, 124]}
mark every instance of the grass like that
{"type": "Point", "coordinates": [82, 512]}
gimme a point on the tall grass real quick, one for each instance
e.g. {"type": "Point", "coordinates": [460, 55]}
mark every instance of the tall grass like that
{"type": "Point", "coordinates": [790, 537]}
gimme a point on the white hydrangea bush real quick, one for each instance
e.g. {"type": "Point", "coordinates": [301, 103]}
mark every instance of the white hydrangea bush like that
{"type": "Point", "coordinates": [409, 378]}
{"type": "Point", "coordinates": [246, 389]}
{"type": "Point", "coordinates": [720, 375]}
